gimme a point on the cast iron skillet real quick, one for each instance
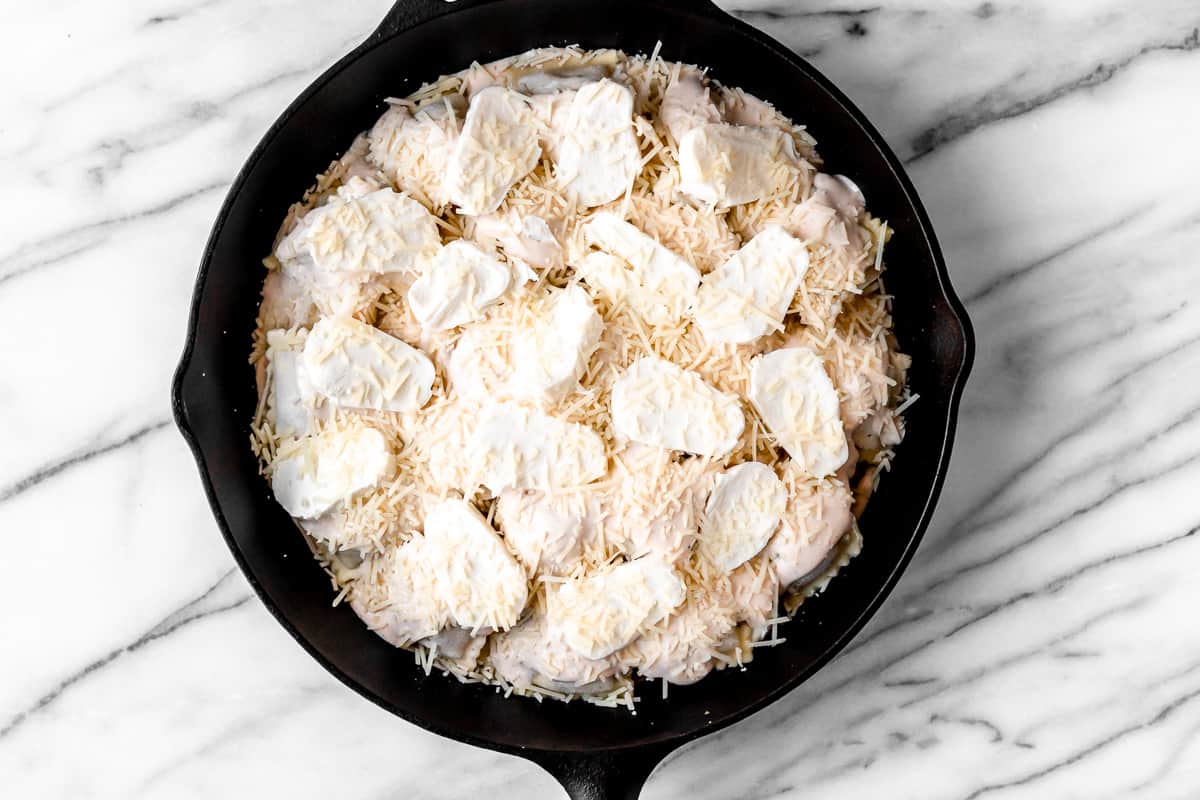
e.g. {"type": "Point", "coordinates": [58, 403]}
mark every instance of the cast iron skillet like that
{"type": "Point", "coordinates": [593, 752]}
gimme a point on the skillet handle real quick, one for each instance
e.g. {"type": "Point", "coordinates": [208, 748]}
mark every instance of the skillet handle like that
{"type": "Point", "coordinates": [405, 14]}
{"type": "Point", "coordinates": [607, 775]}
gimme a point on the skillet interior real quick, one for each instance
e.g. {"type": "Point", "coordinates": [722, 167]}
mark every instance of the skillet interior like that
{"type": "Point", "coordinates": [215, 396]}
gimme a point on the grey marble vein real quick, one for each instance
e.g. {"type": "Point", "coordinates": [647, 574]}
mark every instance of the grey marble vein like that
{"type": "Point", "coordinates": [192, 611]}
{"type": "Point", "coordinates": [991, 109]}
{"type": "Point", "coordinates": [50, 470]}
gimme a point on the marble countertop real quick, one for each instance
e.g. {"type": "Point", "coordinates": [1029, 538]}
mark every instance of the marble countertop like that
{"type": "Point", "coordinates": [1041, 644]}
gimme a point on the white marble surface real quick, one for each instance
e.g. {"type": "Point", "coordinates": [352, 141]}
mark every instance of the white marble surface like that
{"type": "Point", "coordinates": [1043, 642]}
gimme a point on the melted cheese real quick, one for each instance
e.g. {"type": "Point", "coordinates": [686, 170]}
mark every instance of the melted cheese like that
{"type": "Point", "coordinates": [600, 614]}
{"type": "Point", "coordinates": [513, 447]}
{"type": "Point", "coordinates": [322, 470]}
{"type": "Point", "coordinates": [749, 295]}
{"type": "Point", "coordinates": [471, 572]}
{"type": "Point", "coordinates": [462, 282]}
{"type": "Point", "coordinates": [798, 402]}
{"type": "Point", "coordinates": [661, 287]}
{"type": "Point", "coordinates": [598, 156]}
{"type": "Point", "coordinates": [726, 165]}
{"type": "Point", "coordinates": [497, 147]}
{"type": "Point", "coordinates": [658, 403]}
{"type": "Point", "coordinates": [742, 513]}
{"type": "Point", "coordinates": [356, 365]}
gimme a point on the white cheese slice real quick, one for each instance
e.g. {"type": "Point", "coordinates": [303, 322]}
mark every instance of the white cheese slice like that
{"type": "Point", "coordinates": [513, 447]}
{"type": "Point", "coordinates": [799, 404]}
{"type": "Point", "coordinates": [598, 158]}
{"type": "Point", "coordinates": [550, 533]}
{"type": "Point", "coordinates": [658, 403]}
{"type": "Point", "coordinates": [742, 512]}
{"type": "Point", "coordinates": [749, 295]}
{"type": "Point", "coordinates": [549, 357]}
{"type": "Point", "coordinates": [662, 286]}
{"type": "Point", "coordinates": [472, 573]}
{"type": "Point", "coordinates": [528, 237]}
{"type": "Point", "coordinates": [548, 81]}
{"type": "Point", "coordinates": [686, 103]}
{"type": "Point", "coordinates": [376, 233]}
{"type": "Point", "coordinates": [727, 165]}
{"type": "Point", "coordinates": [400, 607]}
{"type": "Point", "coordinates": [601, 613]}
{"type": "Point", "coordinates": [413, 148]}
{"type": "Point", "coordinates": [322, 470]}
{"type": "Point", "coordinates": [293, 409]}
{"type": "Point", "coordinates": [356, 365]}
{"type": "Point", "coordinates": [498, 145]}
{"type": "Point", "coordinates": [461, 282]}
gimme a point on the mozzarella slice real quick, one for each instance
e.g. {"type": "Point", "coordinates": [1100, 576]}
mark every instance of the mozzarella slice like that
{"type": "Point", "coordinates": [748, 296]}
{"type": "Point", "coordinates": [549, 532]}
{"type": "Point", "coordinates": [399, 604]}
{"type": "Point", "coordinates": [599, 156]}
{"type": "Point", "coordinates": [799, 404]}
{"type": "Point", "coordinates": [727, 165]}
{"type": "Point", "coordinates": [497, 147]}
{"type": "Point", "coordinates": [379, 232]}
{"type": "Point", "coordinates": [528, 237]}
{"type": "Point", "coordinates": [600, 614]}
{"type": "Point", "coordinates": [742, 512]}
{"type": "Point", "coordinates": [686, 104]}
{"type": "Point", "coordinates": [293, 409]}
{"type": "Point", "coordinates": [818, 514]}
{"type": "Point", "coordinates": [658, 403]}
{"type": "Point", "coordinates": [472, 573]}
{"type": "Point", "coordinates": [412, 149]}
{"type": "Point", "coordinates": [662, 286]}
{"type": "Point", "coordinates": [356, 365]}
{"type": "Point", "coordinates": [461, 282]}
{"type": "Point", "coordinates": [322, 470]}
{"type": "Point", "coordinates": [549, 357]}
{"type": "Point", "coordinates": [514, 447]}
{"type": "Point", "coordinates": [548, 81]}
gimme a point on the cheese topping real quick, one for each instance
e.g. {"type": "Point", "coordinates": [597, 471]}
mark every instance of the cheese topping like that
{"type": "Point", "coordinates": [550, 533]}
{"type": "Point", "coordinates": [550, 356]}
{"type": "Point", "coordinates": [462, 282]}
{"type": "Point", "coordinates": [294, 402]}
{"type": "Point", "coordinates": [599, 156]}
{"type": "Point", "coordinates": [379, 232]}
{"type": "Point", "coordinates": [513, 447]}
{"type": "Point", "coordinates": [727, 165]}
{"type": "Point", "coordinates": [591, 438]}
{"type": "Point", "coordinates": [472, 573]}
{"type": "Point", "coordinates": [322, 470]}
{"type": "Point", "coordinates": [355, 365]}
{"type": "Point", "coordinates": [497, 147]}
{"type": "Point", "coordinates": [413, 148]}
{"type": "Point", "coordinates": [742, 513]}
{"type": "Point", "coordinates": [598, 615]}
{"type": "Point", "coordinates": [796, 399]}
{"type": "Point", "coordinates": [661, 286]}
{"type": "Point", "coordinates": [749, 295]}
{"type": "Point", "coordinates": [658, 403]}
